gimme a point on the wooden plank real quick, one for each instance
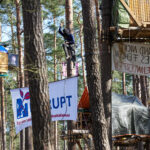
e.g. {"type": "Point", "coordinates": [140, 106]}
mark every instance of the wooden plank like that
{"type": "Point", "coordinates": [81, 131]}
{"type": "Point", "coordinates": [131, 13]}
{"type": "Point", "coordinates": [79, 145]}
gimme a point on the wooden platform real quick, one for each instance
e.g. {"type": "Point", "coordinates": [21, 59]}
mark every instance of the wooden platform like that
{"type": "Point", "coordinates": [133, 33]}
{"type": "Point", "coordinates": [130, 140]}
{"type": "Point", "coordinates": [75, 135]}
{"type": "Point", "coordinates": [84, 121]}
{"type": "Point", "coordinates": [139, 22]}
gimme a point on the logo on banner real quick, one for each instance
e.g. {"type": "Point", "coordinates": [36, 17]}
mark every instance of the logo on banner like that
{"type": "Point", "coordinates": [22, 105]}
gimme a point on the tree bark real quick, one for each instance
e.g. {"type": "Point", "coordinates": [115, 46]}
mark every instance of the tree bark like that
{"type": "Point", "coordinates": [28, 130]}
{"type": "Point", "coordinates": [21, 74]}
{"type": "Point", "coordinates": [37, 74]}
{"type": "Point", "coordinates": [106, 62]}
{"type": "Point", "coordinates": [69, 15]}
{"type": "Point", "coordinates": [55, 78]}
{"type": "Point", "coordinates": [99, 125]}
{"type": "Point", "coordinates": [136, 86]}
{"type": "Point", "coordinates": [143, 90]}
{"type": "Point", "coordinates": [124, 83]}
{"type": "Point", "coordinates": [0, 107]}
{"type": "Point", "coordinates": [81, 43]}
{"type": "Point", "coordinates": [12, 35]}
{"type": "Point", "coordinates": [4, 147]}
{"type": "Point", "coordinates": [69, 25]}
{"type": "Point", "coordinates": [3, 119]}
{"type": "Point", "coordinates": [98, 23]}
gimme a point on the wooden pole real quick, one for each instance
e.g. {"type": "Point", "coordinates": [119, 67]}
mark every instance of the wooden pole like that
{"type": "Point", "coordinates": [3, 114]}
{"type": "Point", "coordinates": [55, 78]}
{"type": "Point", "coordinates": [2, 107]}
{"type": "Point", "coordinates": [69, 25]}
{"type": "Point", "coordinates": [124, 83]}
{"type": "Point", "coordinates": [21, 73]}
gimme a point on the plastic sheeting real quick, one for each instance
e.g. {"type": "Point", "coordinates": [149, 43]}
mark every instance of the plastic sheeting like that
{"type": "Point", "coordinates": [129, 116]}
{"type": "Point", "coordinates": [120, 16]}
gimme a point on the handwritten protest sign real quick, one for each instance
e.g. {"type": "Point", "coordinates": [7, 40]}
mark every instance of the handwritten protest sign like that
{"type": "Point", "coordinates": [133, 58]}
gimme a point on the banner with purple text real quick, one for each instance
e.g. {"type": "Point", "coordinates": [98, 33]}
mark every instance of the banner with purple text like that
{"type": "Point", "coordinates": [132, 58]}
{"type": "Point", "coordinates": [63, 101]}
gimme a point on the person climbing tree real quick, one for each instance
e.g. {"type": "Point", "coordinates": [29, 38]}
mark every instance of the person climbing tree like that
{"type": "Point", "coordinates": [69, 45]}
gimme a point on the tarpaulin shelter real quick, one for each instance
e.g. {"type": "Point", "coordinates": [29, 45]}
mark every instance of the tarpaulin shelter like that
{"type": "Point", "coordinates": [129, 116]}
{"type": "Point", "coordinates": [3, 60]}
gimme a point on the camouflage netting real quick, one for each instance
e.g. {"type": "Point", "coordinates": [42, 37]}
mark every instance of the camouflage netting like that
{"type": "Point", "coordinates": [129, 116]}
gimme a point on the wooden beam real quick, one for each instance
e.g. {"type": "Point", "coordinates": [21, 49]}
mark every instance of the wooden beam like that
{"type": "Point", "coordinates": [131, 13]}
{"type": "Point", "coordinates": [79, 145]}
{"type": "Point", "coordinates": [80, 131]}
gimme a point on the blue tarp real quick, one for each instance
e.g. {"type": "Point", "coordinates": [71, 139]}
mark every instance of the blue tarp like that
{"type": "Point", "coordinates": [2, 49]}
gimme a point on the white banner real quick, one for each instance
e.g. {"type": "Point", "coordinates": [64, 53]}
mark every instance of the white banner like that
{"type": "Point", "coordinates": [63, 100]}
{"type": "Point", "coordinates": [21, 108]}
{"type": "Point", "coordinates": [132, 58]}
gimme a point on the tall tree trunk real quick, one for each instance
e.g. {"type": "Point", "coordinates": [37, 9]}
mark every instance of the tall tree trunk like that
{"type": "Point", "coordinates": [55, 78]}
{"type": "Point", "coordinates": [37, 74]}
{"type": "Point", "coordinates": [11, 136]}
{"type": "Point", "coordinates": [147, 88]}
{"type": "Point", "coordinates": [69, 15]}
{"type": "Point", "coordinates": [106, 63]}
{"type": "Point", "coordinates": [133, 84]}
{"type": "Point", "coordinates": [136, 86]}
{"type": "Point", "coordinates": [21, 74]}
{"type": "Point", "coordinates": [81, 43]}
{"type": "Point", "coordinates": [99, 125]}
{"type": "Point", "coordinates": [3, 114]}
{"type": "Point", "coordinates": [0, 105]}
{"type": "Point", "coordinates": [69, 25]}
{"type": "Point", "coordinates": [143, 90]}
{"type": "Point", "coordinates": [124, 83]}
{"type": "Point", "coordinates": [28, 130]}
{"type": "Point", "coordinates": [12, 35]}
{"type": "Point", "coordinates": [98, 23]}
{"type": "Point", "coordinates": [3, 120]}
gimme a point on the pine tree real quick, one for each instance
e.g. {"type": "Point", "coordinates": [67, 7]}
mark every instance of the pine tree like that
{"type": "Point", "coordinates": [37, 74]}
{"type": "Point", "coordinates": [106, 62]}
{"type": "Point", "coordinates": [99, 125]}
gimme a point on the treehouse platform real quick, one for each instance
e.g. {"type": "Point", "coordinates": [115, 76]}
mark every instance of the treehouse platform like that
{"type": "Point", "coordinates": [131, 19]}
{"type": "Point", "coordinates": [131, 141]}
